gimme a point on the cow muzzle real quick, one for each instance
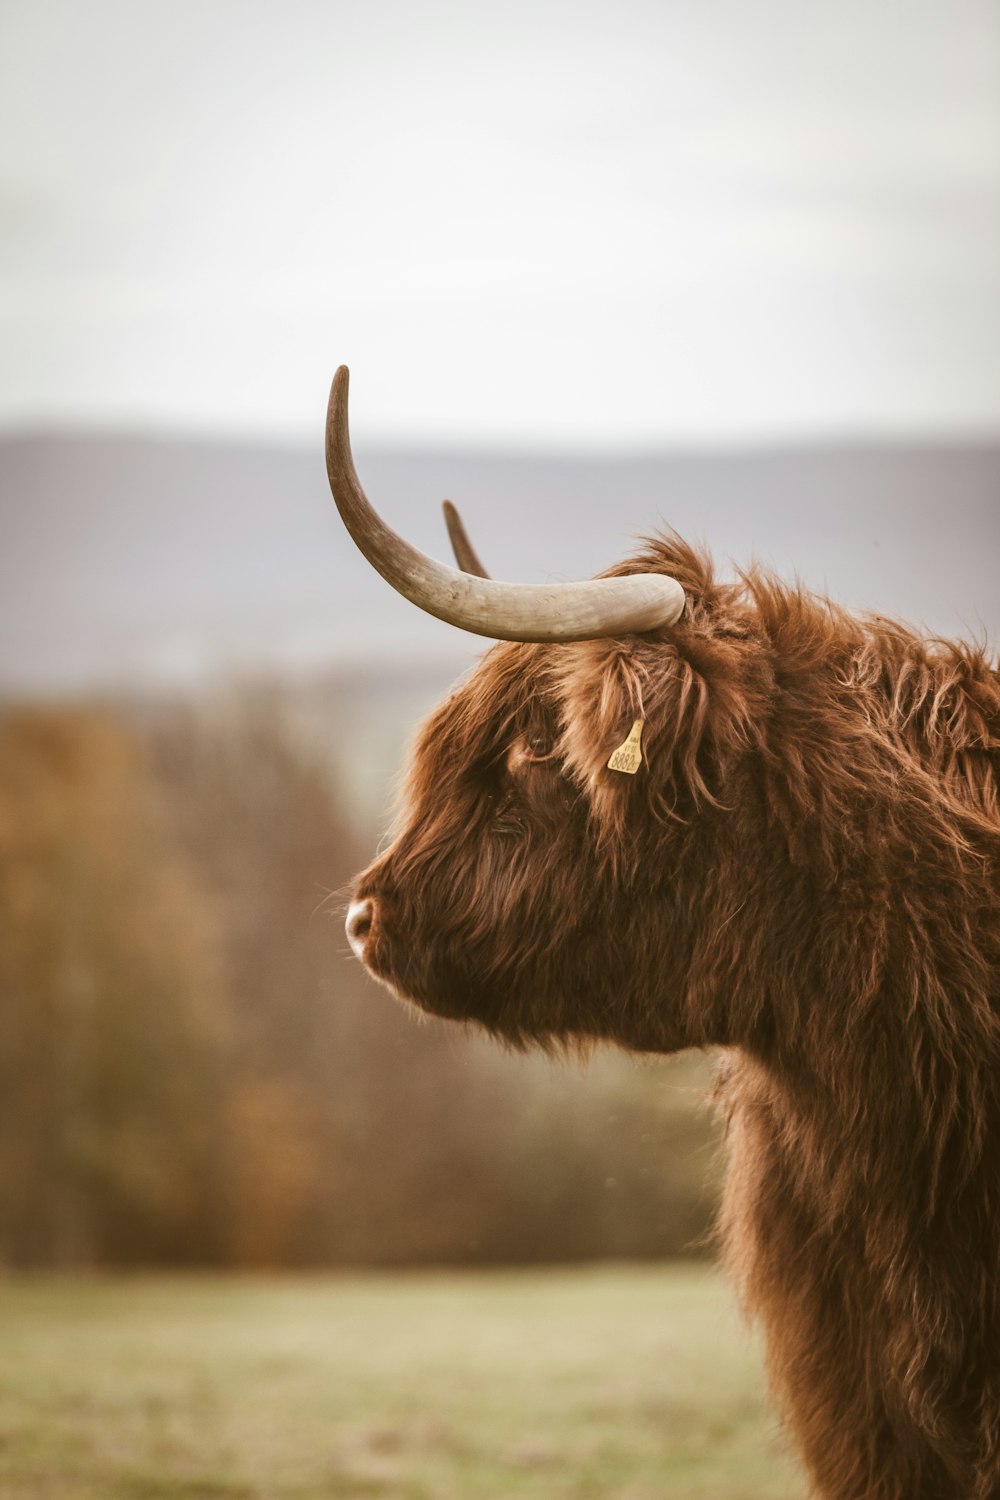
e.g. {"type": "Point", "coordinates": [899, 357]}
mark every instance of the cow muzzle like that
{"type": "Point", "coordinates": [359, 924]}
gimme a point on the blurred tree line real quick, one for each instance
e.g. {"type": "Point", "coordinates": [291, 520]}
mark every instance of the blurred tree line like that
{"type": "Point", "coordinates": [193, 1070]}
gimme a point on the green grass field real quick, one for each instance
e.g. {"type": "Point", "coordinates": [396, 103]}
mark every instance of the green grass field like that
{"type": "Point", "coordinates": [633, 1382]}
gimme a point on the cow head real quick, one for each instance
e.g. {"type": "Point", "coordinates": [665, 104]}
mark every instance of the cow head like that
{"type": "Point", "coordinates": [532, 886]}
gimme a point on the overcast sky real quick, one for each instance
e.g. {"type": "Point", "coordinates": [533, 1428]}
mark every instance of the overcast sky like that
{"type": "Point", "coordinates": [616, 224]}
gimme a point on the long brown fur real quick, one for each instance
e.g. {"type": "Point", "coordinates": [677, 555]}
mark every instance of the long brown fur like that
{"type": "Point", "coordinates": [804, 872]}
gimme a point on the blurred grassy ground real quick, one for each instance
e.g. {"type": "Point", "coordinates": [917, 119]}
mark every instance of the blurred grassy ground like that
{"type": "Point", "coordinates": [632, 1382]}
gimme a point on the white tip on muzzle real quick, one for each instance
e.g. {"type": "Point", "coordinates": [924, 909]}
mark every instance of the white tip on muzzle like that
{"type": "Point", "coordinates": [358, 925]}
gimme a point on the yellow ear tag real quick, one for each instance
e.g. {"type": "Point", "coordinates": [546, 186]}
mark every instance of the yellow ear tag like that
{"type": "Point", "coordinates": [628, 756]}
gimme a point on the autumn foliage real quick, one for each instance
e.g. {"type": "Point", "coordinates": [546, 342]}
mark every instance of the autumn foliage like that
{"type": "Point", "coordinates": [193, 1070]}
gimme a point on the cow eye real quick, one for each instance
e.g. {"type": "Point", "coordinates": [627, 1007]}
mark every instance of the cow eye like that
{"type": "Point", "coordinates": [531, 750]}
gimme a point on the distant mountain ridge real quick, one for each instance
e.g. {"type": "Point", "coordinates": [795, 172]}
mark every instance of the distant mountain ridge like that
{"type": "Point", "coordinates": [138, 560]}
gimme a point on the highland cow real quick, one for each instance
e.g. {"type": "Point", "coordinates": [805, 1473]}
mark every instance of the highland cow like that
{"type": "Point", "coordinates": [673, 812]}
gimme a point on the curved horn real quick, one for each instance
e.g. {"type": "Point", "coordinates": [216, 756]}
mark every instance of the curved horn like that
{"type": "Point", "coordinates": [465, 553]}
{"type": "Point", "coordinates": [503, 611]}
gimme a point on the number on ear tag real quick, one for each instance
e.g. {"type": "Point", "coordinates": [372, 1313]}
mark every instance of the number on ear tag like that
{"type": "Point", "coordinates": [628, 756]}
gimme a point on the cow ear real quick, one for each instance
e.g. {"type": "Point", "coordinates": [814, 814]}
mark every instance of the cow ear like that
{"type": "Point", "coordinates": [606, 693]}
{"type": "Point", "coordinates": [691, 703]}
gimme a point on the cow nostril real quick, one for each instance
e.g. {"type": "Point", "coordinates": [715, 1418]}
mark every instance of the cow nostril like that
{"type": "Point", "coordinates": [360, 915]}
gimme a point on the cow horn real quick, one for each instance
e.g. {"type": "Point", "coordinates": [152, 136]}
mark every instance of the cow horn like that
{"type": "Point", "coordinates": [503, 611]}
{"type": "Point", "coordinates": [465, 553]}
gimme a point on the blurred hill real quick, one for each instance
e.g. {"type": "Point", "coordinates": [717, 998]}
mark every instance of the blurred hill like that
{"type": "Point", "coordinates": [134, 560]}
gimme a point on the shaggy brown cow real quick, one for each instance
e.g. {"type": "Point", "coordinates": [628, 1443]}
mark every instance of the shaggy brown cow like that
{"type": "Point", "coordinates": [802, 871]}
